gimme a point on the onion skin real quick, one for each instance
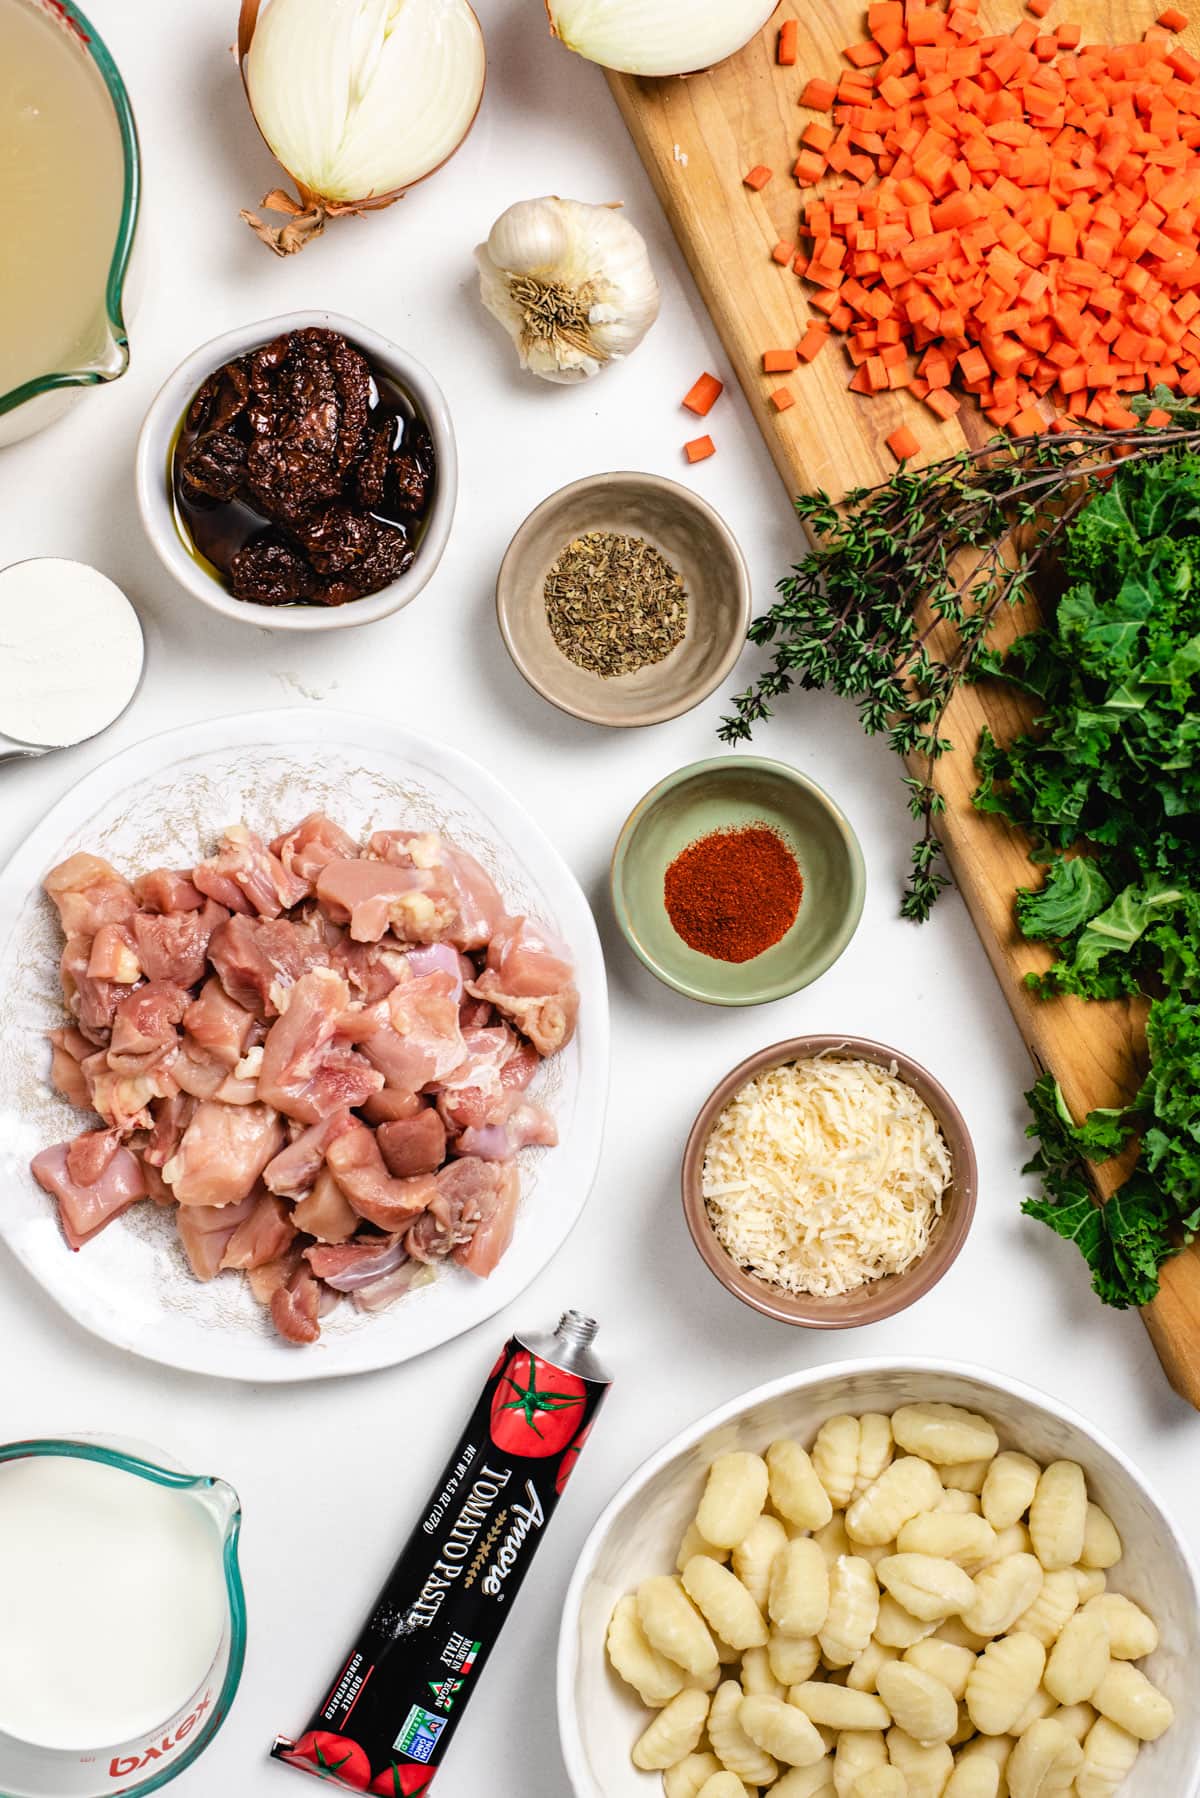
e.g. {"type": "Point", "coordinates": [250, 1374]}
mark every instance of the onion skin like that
{"type": "Point", "coordinates": [307, 220]}
{"type": "Point", "coordinates": [663, 74]}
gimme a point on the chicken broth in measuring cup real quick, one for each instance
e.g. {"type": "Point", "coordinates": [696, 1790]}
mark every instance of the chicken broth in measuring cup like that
{"type": "Point", "coordinates": [62, 150]}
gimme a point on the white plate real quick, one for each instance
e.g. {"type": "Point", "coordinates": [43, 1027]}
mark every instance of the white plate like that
{"type": "Point", "coordinates": [600, 1718]}
{"type": "Point", "coordinates": [164, 802]}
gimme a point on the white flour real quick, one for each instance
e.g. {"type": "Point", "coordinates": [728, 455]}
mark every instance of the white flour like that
{"type": "Point", "coordinates": [70, 652]}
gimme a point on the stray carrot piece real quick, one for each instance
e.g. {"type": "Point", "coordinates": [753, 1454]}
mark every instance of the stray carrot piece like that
{"type": "Point", "coordinates": [699, 449]}
{"type": "Point", "coordinates": [757, 177]}
{"type": "Point", "coordinates": [863, 56]}
{"type": "Point", "coordinates": [819, 94]}
{"type": "Point", "coordinates": [817, 136]}
{"type": "Point", "coordinates": [1157, 418]}
{"type": "Point", "coordinates": [811, 344]}
{"type": "Point", "coordinates": [788, 33]}
{"type": "Point", "coordinates": [781, 399]}
{"type": "Point", "coordinates": [943, 402]}
{"type": "Point", "coordinates": [903, 444]}
{"type": "Point", "coordinates": [779, 362]}
{"type": "Point", "coordinates": [1069, 36]}
{"type": "Point", "coordinates": [809, 167]}
{"type": "Point", "coordinates": [1173, 19]}
{"type": "Point", "coordinates": [783, 253]}
{"type": "Point", "coordinates": [1039, 8]}
{"type": "Point", "coordinates": [701, 398]}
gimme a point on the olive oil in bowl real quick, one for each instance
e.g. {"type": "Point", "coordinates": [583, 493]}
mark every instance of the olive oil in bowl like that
{"type": "Point", "coordinates": [64, 156]}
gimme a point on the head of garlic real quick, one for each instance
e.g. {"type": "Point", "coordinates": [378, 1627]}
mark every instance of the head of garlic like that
{"type": "Point", "coordinates": [571, 284]}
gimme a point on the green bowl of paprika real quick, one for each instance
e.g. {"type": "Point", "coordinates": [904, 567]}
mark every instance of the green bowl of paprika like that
{"type": "Point", "coordinates": [737, 880]}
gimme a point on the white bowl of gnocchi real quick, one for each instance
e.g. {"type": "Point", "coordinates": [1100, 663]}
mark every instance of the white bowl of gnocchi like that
{"type": "Point", "coordinates": [883, 1580]}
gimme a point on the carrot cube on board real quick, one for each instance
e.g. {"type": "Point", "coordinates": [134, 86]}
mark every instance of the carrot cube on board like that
{"type": "Point", "coordinates": [701, 398]}
{"type": "Point", "coordinates": [944, 403]}
{"type": "Point", "coordinates": [779, 362]}
{"type": "Point", "coordinates": [1039, 8]}
{"type": "Point", "coordinates": [903, 444]}
{"type": "Point", "coordinates": [1173, 19]}
{"type": "Point", "coordinates": [819, 94]}
{"type": "Point", "coordinates": [811, 345]}
{"type": "Point", "coordinates": [788, 33]}
{"type": "Point", "coordinates": [699, 449]}
{"type": "Point", "coordinates": [757, 177]}
{"type": "Point", "coordinates": [781, 399]}
{"type": "Point", "coordinates": [783, 253]}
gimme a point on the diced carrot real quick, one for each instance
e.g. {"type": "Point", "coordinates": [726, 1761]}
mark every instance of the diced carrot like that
{"type": "Point", "coordinates": [783, 253]}
{"type": "Point", "coordinates": [1156, 418]}
{"type": "Point", "coordinates": [811, 344]}
{"type": "Point", "coordinates": [699, 449]}
{"type": "Point", "coordinates": [757, 177]}
{"type": "Point", "coordinates": [782, 398]}
{"type": "Point", "coordinates": [703, 396]}
{"type": "Point", "coordinates": [903, 444]}
{"type": "Point", "coordinates": [944, 403]}
{"type": "Point", "coordinates": [1019, 214]}
{"type": "Point", "coordinates": [779, 362]}
{"type": "Point", "coordinates": [788, 33]}
{"type": "Point", "coordinates": [819, 94]}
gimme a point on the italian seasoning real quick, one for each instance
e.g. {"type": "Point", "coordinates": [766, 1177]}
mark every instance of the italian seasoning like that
{"type": "Point", "coordinates": [615, 604]}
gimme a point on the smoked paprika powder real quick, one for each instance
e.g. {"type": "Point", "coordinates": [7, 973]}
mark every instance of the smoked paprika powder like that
{"type": "Point", "coordinates": [734, 893]}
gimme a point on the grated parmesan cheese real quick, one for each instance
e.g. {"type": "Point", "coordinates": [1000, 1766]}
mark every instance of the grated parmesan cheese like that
{"type": "Point", "coordinates": [821, 1175]}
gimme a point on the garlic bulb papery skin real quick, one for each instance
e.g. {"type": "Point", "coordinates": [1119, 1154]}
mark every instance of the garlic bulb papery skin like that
{"type": "Point", "coordinates": [571, 284]}
{"type": "Point", "coordinates": [357, 99]}
{"type": "Point", "coordinates": [657, 37]}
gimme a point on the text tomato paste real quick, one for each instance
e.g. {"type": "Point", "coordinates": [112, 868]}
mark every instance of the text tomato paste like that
{"type": "Point", "coordinates": [399, 1696]}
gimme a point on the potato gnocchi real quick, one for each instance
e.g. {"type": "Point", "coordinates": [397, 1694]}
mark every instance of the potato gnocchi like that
{"type": "Point", "coordinates": [903, 1610]}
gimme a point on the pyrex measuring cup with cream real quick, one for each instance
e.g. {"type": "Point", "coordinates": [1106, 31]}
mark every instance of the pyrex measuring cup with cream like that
{"type": "Point", "coordinates": [122, 1626]}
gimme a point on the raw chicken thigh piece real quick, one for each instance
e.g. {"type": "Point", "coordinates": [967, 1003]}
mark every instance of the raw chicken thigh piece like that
{"type": "Point", "coordinates": [171, 1118]}
{"type": "Point", "coordinates": [527, 1126]}
{"type": "Point", "coordinates": [113, 955]}
{"type": "Point", "coordinates": [88, 892]}
{"type": "Point", "coordinates": [491, 1191]}
{"type": "Point", "coordinates": [415, 1145]}
{"type": "Point", "coordinates": [219, 1025]}
{"type": "Point", "coordinates": [296, 1307]}
{"type": "Point", "coordinates": [144, 1026]}
{"type": "Point", "coordinates": [85, 1208]}
{"type": "Point", "coordinates": [174, 945]}
{"type": "Point", "coordinates": [294, 1170]}
{"type": "Point", "coordinates": [261, 1237]}
{"type": "Point", "coordinates": [246, 877]}
{"type": "Point", "coordinates": [326, 1212]}
{"type": "Point", "coordinates": [314, 842]}
{"type": "Point", "coordinates": [459, 882]}
{"type": "Point", "coordinates": [530, 980]}
{"type": "Point", "coordinates": [166, 890]}
{"type": "Point", "coordinates": [357, 1263]}
{"type": "Point", "coordinates": [91, 1002]}
{"type": "Point", "coordinates": [374, 897]}
{"type": "Point", "coordinates": [305, 1072]}
{"type": "Point", "coordinates": [488, 1084]}
{"type": "Point", "coordinates": [68, 1048]}
{"type": "Point", "coordinates": [205, 1232]}
{"type": "Point", "coordinates": [413, 1036]}
{"type": "Point", "coordinates": [358, 1167]}
{"type": "Point", "coordinates": [223, 1152]}
{"type": "Point", "coordinates": [258, 959]}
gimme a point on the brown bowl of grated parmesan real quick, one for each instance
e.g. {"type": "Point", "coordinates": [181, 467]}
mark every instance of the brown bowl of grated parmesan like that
{"type": "Point", "coordinates": [829, 1181]}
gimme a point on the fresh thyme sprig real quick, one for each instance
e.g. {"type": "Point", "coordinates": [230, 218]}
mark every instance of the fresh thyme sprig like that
{"type": "Point", "coordinates": [895, 602]}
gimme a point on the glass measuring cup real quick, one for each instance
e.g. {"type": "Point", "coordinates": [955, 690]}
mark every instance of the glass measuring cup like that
{"type": "Point", "coordinates": [143, 1764]}
{"type": "Point", "coordinates": [45, 396]}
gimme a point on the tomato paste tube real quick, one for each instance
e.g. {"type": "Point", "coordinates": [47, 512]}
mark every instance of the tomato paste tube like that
{"type": "Point", "coordinates": [399, 1696]}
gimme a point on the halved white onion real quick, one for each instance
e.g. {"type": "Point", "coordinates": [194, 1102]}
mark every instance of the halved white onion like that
{"type": "Point", "coordinates": [359, 99]}
{"type": "Point", "coordinates": [657, 37]}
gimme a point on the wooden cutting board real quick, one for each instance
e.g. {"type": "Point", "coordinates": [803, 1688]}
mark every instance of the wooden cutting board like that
{"type": "Point", "coordinates": [697, 138]}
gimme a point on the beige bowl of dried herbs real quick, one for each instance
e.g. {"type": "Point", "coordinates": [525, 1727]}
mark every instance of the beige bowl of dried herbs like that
{"type": "Point", "coordinates": [624, 599]}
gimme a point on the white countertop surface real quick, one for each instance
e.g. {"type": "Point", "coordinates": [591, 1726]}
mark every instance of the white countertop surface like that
{"type": "Point", "coordinates": [332, 1474]}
